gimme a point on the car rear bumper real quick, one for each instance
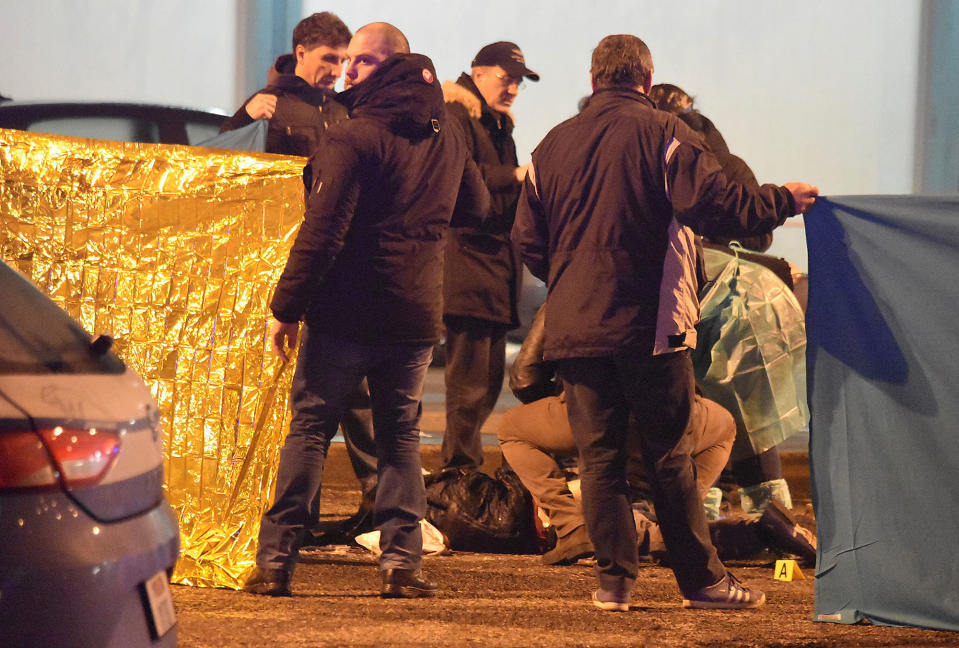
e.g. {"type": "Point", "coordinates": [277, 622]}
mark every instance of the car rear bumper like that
{"type": "Point", "coordinates": [67, 579]}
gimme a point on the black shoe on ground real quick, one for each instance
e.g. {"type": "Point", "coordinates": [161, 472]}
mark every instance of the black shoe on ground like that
{"type": "Point", "coordinates": [611, 601]}
{"type": "Point", "coordinates": [784, 535]}
{"type": "Point", "coordinates": [360, 522]}
{"type": "Point", "coordinates": [268, 582]}
{"type": "Point", "coordinates": [728, 594]}
{"type": "Point", "coordinates": [406, 583]}
{"type": "Point", "coordinates": [340, 532]}
{"type": "Point", "coordinates": [569, 549]}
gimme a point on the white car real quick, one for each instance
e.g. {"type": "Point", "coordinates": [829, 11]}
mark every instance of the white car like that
{"type": "Point", "coordinates": [88, 538]}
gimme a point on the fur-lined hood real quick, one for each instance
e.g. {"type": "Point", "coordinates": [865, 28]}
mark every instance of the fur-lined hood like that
{"type": "Point", "coordinates": [454, 92]}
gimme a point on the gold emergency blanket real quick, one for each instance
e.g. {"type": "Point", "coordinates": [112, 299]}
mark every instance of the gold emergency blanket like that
{"type": "Point", "coordinates": [174, 251]}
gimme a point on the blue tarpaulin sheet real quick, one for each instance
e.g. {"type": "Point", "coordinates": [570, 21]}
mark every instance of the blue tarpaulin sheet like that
{"type": "Point", "coordinates": [883, 385]}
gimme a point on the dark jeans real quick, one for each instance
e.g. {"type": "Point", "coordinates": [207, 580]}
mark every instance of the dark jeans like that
{"type": "Point", "coordinates": [357, 428]}
{"type": "Point", "coordinates": [475, 366]}
{"type": "Point", "coordinates": [327, 374]}
{"type": "Point", "coordinates": [658, 391]}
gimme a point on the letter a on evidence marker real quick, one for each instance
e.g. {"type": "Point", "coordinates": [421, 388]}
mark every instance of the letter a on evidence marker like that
{"type": "Point", "coordinates": [788, 570]}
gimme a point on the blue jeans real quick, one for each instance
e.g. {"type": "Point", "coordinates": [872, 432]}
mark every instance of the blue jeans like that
{"type": "Point", "coordinates": [328, 372]}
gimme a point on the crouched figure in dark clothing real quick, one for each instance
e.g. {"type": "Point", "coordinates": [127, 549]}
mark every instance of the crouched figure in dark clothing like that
{"type": "Point", "coordinates": [538, 443]}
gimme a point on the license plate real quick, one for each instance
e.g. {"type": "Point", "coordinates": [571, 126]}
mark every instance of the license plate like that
{"type": "Point", "coordinates": [161, 603]}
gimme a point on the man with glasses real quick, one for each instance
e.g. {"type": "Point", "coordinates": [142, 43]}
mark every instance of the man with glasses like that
{"type": "Point", "coordinates": [482, 277]}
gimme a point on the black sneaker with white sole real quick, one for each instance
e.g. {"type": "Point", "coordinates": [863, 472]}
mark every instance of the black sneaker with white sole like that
{"type": "Point", "coordinates": [728, 594]}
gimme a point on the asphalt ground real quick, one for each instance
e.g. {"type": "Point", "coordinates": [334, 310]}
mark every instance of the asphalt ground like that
{"type": "Point", "coordinates": [510, 600]}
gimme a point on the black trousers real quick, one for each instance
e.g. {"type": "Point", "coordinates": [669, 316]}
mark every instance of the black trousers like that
{"type": "Point", "coordinates": [658, 391]}
{"type": "Point", "coordinates": [475, 367]}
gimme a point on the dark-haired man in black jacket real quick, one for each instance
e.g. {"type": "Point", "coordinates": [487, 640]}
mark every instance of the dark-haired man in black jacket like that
{"type": "Point", "coordinates": [607, 218]}
{"type": "Point", "coordinates": [365, 272]}
{"type": "Point", "coordinates": [299, 99]}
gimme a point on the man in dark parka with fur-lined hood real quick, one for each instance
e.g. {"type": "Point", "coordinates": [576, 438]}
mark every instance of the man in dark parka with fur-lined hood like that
{"type": "Point", "coordinates": [483, 273]}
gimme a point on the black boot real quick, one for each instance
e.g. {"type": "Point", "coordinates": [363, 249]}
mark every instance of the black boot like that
{"type": "Point", "coordinates": [570, 548]}
{"type": "Point", "coordinates": [784, 535]}
{"type": "Point", "coordinates": [342, 532]}
{"type": "Point", "coordinates": [268, 582]}
{"type": "Point", "coordinates": [406, 583]}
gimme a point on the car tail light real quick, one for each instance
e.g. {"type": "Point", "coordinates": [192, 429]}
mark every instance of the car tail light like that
{"type": "Point", "coordinates": [53, 456]}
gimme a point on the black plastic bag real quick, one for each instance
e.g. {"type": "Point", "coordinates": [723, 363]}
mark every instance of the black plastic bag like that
{"type": "Point", "coordinates": [477, 512]}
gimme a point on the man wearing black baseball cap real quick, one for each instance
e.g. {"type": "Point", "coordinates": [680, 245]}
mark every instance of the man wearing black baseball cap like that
{"type": "Point", "coordinates": [512, 68]}
{"type": "Point", "coordinates": [483, 274]}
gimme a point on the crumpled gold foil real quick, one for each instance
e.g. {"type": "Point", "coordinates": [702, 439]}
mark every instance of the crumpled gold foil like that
{"type": "Point", "coordinates": [174, 251]}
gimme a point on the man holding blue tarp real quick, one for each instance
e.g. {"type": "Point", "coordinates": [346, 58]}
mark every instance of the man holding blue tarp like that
{"type": "Point", "coordinates": [606, 218]}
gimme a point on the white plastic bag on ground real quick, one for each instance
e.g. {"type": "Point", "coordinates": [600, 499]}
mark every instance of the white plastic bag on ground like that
{"type": "Point", "coordinates": [433, 543]}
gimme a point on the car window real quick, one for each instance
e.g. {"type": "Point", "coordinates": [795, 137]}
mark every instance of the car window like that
{"type": "Point", "coordinates": [37, 337]}
{"type": "Point", "coordinates": [123, 129]}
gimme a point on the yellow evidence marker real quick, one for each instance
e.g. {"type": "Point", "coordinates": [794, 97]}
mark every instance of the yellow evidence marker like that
{"type": "Point", "coordinates": [788, 570]}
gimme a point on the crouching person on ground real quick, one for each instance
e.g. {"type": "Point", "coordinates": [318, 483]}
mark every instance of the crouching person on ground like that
{"type": "Point", "coordinates": [536, 439]}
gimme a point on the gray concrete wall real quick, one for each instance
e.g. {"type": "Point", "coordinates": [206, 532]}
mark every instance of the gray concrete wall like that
{"type": "Point", "coordinates": [937, 136]}
{"type": "Point", "coordinates": [858, 97]}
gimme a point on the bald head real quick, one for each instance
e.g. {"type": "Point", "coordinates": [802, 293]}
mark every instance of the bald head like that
{"type": "Point", "coordinates": [391, 40]}
{"type": "Point", "coordinates": [372, 44]}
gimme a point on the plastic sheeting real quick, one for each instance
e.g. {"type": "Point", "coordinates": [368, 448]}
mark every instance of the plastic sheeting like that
{"type": "Point", "coordinates": [750, 356]}
{"type": "Point", "coordinates": [174, 251]}
{"type": "Point", "coordinates": [251, 138]}
{"type": "Point", "coordinates": [883, 374]}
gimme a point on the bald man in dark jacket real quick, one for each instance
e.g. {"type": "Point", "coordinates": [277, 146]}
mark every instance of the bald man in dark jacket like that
{"type": "Point", "coordinates": [366, 272]}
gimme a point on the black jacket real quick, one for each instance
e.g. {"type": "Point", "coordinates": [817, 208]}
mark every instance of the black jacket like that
{"type": "Point", "coordinates": [367, 262]}
{"type": "Point", "coordinates": [302, 114]}
{"type": "Point", "coordinates": [738, 171]}
{"type": "Point", "coordinates": [482, 277]}
{"type": "Point", "coordinates": [734, 167]}
{"type": "Point", "coordinates": [607, 218]}
{"type": "Point", "coordinates": [705, 127]}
